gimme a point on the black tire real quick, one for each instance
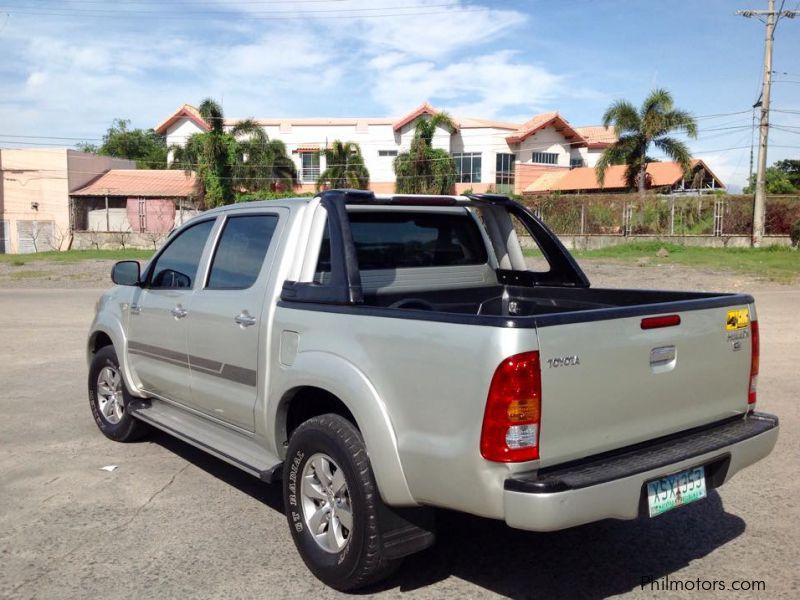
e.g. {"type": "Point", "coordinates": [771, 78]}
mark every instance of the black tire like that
{"type": "Point", "coordinates": [360, 562]}
{"type": "Point", "coordinates": [127, 429]}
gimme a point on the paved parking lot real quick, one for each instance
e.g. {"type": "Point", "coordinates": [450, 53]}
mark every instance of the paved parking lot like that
{"type": "Point", "coordinates": [171, 522]}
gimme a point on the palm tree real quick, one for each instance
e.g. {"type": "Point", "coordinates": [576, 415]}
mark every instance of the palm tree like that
{"type": "Point", "coordinates": [344, 167]}
{"type": "Point", "coordinates": [209, 154]}
{"type": "Point", "coordinates": [637, 129]}
{"type": "Point", "coordinates": [424, 169]}
{"type": "Point", "coordinates": [261, 164]}
{"type": "Point", "coordinates": [241, 160]}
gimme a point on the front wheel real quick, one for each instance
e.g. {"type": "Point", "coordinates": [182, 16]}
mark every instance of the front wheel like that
{"type": "Point", "coordinates": [110, 400]}
{"type": "Point", "coordinates": [332, 504]}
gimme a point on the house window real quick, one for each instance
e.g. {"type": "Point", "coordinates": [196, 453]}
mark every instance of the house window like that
{"type": "Point", "coordinates": [468, 167]}
{"type": "Point", "coordinates": [576, 163]}
{"type": "Point", "coordinates": [387, 152]}
{"type": "Point", "coordinates": [310, 166]}
{"type": "Point", "coordinates": [545, 158]}
{"type": "Point", "coordinates": [504, 169]}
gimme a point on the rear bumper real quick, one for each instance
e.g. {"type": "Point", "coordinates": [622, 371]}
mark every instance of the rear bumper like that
{"type": "Point", "coordinates": [612, 485]}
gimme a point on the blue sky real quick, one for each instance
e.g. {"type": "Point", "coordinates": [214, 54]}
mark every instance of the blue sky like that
{"type": "Point", "coordinates": [70, 67]}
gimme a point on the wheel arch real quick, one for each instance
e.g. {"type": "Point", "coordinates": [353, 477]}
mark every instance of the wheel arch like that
{"type": "Point", "coordinates": [105, 332]}
{"type": "Point", "coordinates": [325, 382]}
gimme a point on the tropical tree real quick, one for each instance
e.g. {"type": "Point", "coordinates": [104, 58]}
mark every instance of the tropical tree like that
{"type": "Point", "coordinates": [212, 154]}
{"type": "Point", "coordinates": [261, 164]}
{"type": "Point", "coordinates": [425, 169]}
{"type": "Point", "coordinates": [778, 182]}
{"type": "Point", "coordinates": [344, 167]}
{"type": "Point", "coordinates": [638, 129]}
{"type": "Point", "coordinates": [791, 168]}
{"type": "Point", "coordinates": [241, 160]}
{"type": "Point", "coordinates": [145, 146]}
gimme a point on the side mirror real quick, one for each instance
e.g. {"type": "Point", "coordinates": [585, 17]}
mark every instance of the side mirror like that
{"type": "Point", "coordinates": [126, 272]}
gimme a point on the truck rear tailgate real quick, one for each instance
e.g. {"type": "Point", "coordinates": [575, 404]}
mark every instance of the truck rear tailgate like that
{"type": "Point", "coordinates": [611, 383]}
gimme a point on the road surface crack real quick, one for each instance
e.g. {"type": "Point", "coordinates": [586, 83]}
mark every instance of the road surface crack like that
{"type": "Point", "coordinates": [130, 520]}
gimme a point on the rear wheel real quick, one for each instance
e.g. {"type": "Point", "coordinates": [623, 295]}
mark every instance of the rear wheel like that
{"type": "Point", "coordinates": [109, 399]}
{"type": "Point", "coordinates": [332, 504]}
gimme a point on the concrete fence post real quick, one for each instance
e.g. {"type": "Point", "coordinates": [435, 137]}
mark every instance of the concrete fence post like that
{"type": "Point", "coordinates": [672, 215]}
{"type": "Point", "coordinates": [583, 217]}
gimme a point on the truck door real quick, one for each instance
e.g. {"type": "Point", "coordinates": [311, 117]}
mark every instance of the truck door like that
{"type": "Point", "coordinates": [160, 311]}
{"type": "Point", "coordinates": [230, 321]}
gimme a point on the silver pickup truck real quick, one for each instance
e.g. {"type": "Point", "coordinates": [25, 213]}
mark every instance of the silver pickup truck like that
{"type": "Point", "coordinates": [384, 355]}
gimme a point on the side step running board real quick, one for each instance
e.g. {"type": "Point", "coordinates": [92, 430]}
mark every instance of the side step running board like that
{"type": "Point", "coordinates": [226, 444]}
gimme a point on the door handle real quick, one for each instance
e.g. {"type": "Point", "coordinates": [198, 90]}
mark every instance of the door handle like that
{"type": "Point", "coordinates": [135, 309]}
{"type": "Point", "coordinates": [179, 312]}
{"type": "Point", "coordinates": [245, 320]}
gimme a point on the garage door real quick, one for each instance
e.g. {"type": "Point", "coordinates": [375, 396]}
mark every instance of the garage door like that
{"type": "Point", "coordinates": [34, 236]}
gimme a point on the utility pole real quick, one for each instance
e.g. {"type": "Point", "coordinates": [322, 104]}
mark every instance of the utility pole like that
{"type": "Point", "coordinates": [759, 203]}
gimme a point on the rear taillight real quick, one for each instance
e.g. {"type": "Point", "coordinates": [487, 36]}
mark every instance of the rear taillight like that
{"type": "Point", "coordinates": [755, 345]}
{"type": "Point", "coordinates": [513, 410]}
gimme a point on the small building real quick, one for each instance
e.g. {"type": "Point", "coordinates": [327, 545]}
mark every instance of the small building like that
{"type": "Point", "coordinates": [35, 184]}
{"type": "Point", "coordinates": [136, 202]}
{"type": "Point", "coordinates": [662, 177]}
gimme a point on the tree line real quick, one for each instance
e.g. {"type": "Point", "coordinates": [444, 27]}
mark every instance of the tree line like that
{"type": "Point", "coordinates": [243, 162]}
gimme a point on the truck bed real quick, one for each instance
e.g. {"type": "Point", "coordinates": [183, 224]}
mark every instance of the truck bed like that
{"type": "Point", "coordinates": [556, 303]}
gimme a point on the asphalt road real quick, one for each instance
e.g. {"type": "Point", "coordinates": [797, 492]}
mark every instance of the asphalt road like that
{"type": "Point", "coordinates": [171, 522]}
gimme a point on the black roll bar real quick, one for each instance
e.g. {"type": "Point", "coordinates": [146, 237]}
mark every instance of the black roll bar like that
{"type": "Point", "coordinates": [344, 285]}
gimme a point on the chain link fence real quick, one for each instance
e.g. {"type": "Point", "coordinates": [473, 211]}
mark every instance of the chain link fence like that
{"type": "Point", "coordinates": [631, 214]}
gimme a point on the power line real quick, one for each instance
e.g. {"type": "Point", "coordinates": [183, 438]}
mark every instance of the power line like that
{"type": "Point", "coordinates": [100, 139]}
{"type": "Point", "coordinates": [256, 16]}
{"type": "Point", "coordinates": [471, 141]}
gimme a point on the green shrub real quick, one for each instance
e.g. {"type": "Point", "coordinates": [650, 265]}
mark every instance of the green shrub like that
{"type": "Point", "coordinates": [256, 196]}
{"type": "Point", "coordinates": [794, 234]}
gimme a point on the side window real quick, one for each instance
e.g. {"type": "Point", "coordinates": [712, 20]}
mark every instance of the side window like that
{"type": "Point", "coordinates": [241, 251]}
{"type": "Point", "coordinates": [176, 267]}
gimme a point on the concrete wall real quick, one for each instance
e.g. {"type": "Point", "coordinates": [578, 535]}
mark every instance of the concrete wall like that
{"type": "Point", "coordinates": [102, 240]}
{"type": "Point", "coordinates": [34, 193]}
{"type": "Point", "coordinates": [35, 197]}
{"type": "Point", "coordinates": [83, 167]}
{"type": "Point", "coordinates": [594, 242]}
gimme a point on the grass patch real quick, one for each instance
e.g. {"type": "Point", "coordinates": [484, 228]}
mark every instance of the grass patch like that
{"type": "Point", "coordinates": [73, 256]}
{"type": "Point", "coordinates": [29, 274]}
{"type": "Point", "coordinates": [777, 263]}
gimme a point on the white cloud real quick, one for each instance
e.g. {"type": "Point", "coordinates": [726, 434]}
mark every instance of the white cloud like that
{"type": "Point", "coordinates": [72, 77]}
{"type": "Point", "coordinates": [441, 33]}
{"type": "Point", "coordinates": [483, 86]}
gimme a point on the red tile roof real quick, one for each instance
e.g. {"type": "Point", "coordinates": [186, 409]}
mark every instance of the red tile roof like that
{"type": "Point", "coordinates": [422, 109]}
{"type": "Point", "coordinates": [662, 174]}
{"type": "Point", "coordinates": [186, 111]}
{"type": "Point", "coordinates": [541, 121]}
{"type": "Point", "coordinates": [155, 183]}
{"type": "Point", "coordinates": [597, 136]}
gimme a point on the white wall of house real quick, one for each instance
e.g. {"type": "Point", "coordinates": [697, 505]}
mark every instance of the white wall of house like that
{"type": "Point", "coordinates": [547, 141]}
{"type": "Point", "coordinates": [179, 132]}
{"type": "Point", "coordinates": [590, 156]}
